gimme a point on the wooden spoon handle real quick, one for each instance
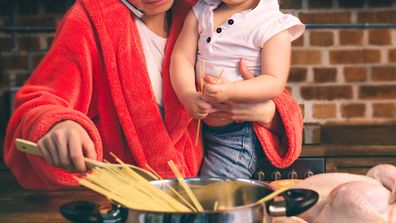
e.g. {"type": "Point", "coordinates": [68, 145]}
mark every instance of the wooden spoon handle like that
{"type": "Point", "coordinates": [28, 147]}
{"type": "Point", "coordinates": [32, 148]}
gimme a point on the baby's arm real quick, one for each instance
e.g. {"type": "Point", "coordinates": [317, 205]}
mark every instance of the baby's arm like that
{"type": "Point", "coordinates": [275, 65]}
{"type": "Point", "coordinates": [182, 72]}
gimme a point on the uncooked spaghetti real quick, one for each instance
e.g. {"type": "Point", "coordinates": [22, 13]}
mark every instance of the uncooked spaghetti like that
{"type": "Point", "coordinates": [126, 187]}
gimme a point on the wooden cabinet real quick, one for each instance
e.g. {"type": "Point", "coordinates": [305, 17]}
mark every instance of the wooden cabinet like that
{"type": "Point", "coordinates": [356, 165]}
{"type": "Point", "coordinates": [354, 148]}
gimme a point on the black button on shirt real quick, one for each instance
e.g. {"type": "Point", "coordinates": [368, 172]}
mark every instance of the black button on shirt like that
{"type": "Point", "coordinates": [230, 21]}
{"type": "Point", "coordinates": [218, 30]}
{"type": "Point", "coordinates": [208, 39]}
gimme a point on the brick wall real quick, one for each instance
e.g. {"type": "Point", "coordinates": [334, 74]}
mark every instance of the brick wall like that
{"type": "Point", "coordinates": [338, 75]}
{"type": "Point", "coordinates": [345, 75]}
{"type": "Point", "coordinates": [20, 52]}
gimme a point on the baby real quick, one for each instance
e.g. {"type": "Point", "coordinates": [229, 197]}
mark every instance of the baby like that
{"type": "Point", "coordinates": [216, 36]}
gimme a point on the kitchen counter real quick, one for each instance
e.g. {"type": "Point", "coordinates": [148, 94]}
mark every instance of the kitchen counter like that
{"type": "Point", "coordinates": [41, 206]}
{"type": "Point", "coordinates": [34, 206]}
{"type": "Point", "coordinates": [352, 149]}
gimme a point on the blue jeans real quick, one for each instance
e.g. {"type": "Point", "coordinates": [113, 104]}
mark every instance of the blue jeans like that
{"type": "Point", "coordinates": [231, 151]}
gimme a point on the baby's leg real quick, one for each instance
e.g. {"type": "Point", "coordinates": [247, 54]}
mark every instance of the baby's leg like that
{"type": "Point", "coordinates": [231, 151]}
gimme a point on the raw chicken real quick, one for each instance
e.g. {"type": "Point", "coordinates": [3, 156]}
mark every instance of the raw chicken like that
{"type": "Point", "coordinates": [350, 198]}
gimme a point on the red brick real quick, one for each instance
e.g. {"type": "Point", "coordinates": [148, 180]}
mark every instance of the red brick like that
{"type": "Point", "coordinates": [4, 78]}
{"type": "Point", "coordinates": [290, 4]}
{"type": "Point", "coordinates": [289, 89]}
{"type": "Point", "coordinates": [383, 73]}
{"type": "Point", "coordinates": [380, 37]}
{"type": "Point", "coordinates": [49, 41]}
{"type": "Point", "coordinates": [21, 78]}
{"type": "Point", "coordinates": [29, 43]}
{"type": "Point", "coordinates": [302, 108]}
{"type": "Point", "coordinates": [323, 75]}
{"type": "Point", "coordinates": [355, 56]}
{"type": "Point", "coordinates": [392, 55]}
{"type": "Point", "coordinates": [315, 4]}
{"type": "Point", "coordinates": [297, 75]}
{"type": "Point", "coordinates": [355, 74]}
{"type": "Point", "coordinates": [326, 17]}
{"type": "Point", "coordinates": [377, 92]}
{"type": "Point", "coordinates": [384, 110]}
{"type": "Point", "coordinates": [14, 62]}
{"type": "Point", "coordinates": [6, 44]}
{"type": "Point", "coordinates": [299, 41]}
{"type": "Point", "coordinates": [321, 38]}
{"type": "Point", "coordinates": [36, 58]}
{"type": "Point", "coordinates": [353, 110]}
{"type": "Point", "coordinates": [383, 16]}
{"type": "Point", "coordinates": [324, 111]}
{"type": "Point", "coordinates": [351, 37]}
{"type": "Point", "coordinates": [326, 92]}
{"type": "Point", "coordinates": [306, 57]}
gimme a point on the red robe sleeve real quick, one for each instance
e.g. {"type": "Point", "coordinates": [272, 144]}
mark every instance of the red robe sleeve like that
{"type": "Point", "coordinates": [59, 89]}
{"type": "Point", "coordinates": [282, 150]}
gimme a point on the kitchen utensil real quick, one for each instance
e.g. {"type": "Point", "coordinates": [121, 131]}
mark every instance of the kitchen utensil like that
{"type": "Point", "coordinates": [236, 201]}
{"type": "Point", "coordinates": [32, 148]}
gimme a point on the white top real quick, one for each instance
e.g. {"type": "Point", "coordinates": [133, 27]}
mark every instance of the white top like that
{"type": "Point", "coordinates": [154, 48]}
{"type": "Point", "coordinates": [241, 36]}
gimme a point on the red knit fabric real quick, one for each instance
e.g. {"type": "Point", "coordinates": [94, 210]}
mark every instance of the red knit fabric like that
{"type": "Point", "coordinates": [95, 74]}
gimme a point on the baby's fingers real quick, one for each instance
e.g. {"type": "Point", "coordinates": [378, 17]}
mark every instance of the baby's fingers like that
{"type": "Point", "coordinates": [203, 106]}
{"type": "Point", "coordinates": [211, 89]}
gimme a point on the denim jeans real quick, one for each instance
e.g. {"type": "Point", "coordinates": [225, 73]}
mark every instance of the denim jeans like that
{"type": "Point", "coordinates": [231, 151]}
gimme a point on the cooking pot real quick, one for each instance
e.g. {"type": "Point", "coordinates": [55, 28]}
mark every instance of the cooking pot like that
{"type": "Point", "coordinates": [237, 201]}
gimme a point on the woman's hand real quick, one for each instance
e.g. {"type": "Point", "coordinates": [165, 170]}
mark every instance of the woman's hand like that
{"type": "Point", "coordinates": [263, 113]}
{"type": "Point", "coordinates": [66, 145]}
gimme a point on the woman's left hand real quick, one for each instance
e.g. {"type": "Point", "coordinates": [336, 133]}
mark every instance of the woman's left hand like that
{"type": "Point", "coordinates": [262, 112]}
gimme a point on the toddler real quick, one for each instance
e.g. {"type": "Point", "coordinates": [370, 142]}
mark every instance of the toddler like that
{"type": "Point", "coordinates": [215, 36]}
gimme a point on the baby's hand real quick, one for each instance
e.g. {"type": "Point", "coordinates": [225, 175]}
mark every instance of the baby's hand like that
{"type": "Point", "coordinates": [218, 91]}
{"type": "Point", "coordinates": [196, 106]}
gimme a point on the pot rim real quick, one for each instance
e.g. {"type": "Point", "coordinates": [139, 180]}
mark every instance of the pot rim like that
{"type": "Point", "coordinates": [192, 179]}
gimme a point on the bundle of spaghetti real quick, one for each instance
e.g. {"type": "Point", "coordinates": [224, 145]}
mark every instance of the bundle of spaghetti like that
{"type": "Point", "coordinates": [172, 189]}
{"type": "Point", "coordinates": [185, 186]}
{"type": "Point", "coordinates": [126, 187]}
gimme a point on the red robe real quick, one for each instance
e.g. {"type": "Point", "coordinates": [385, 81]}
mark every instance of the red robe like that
{"type": "Point", "coordinates": [95, 74]}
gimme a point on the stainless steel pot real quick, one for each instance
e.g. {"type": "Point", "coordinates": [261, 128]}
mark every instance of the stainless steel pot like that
{"type": "Point", "coordinates": [237, 201]}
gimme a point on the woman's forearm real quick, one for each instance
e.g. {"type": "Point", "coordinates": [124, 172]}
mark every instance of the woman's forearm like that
{"type": "Point", "coordinates": [273, 123]}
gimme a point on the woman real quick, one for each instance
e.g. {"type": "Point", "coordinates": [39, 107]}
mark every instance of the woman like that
{"type": "Point", "coordinates": [96, 92]}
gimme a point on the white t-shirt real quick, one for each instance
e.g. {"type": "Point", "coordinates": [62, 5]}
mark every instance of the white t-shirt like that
{"type": "Point", "coordinates": [241, 36]}
{"type": "Point", "coordinates": [154, 48]}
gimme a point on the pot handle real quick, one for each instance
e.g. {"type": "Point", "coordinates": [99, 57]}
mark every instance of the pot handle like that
{"type": "Point", "coordinates": [297, 201]}
{"type": "Point", "coordinates": [88, 212]}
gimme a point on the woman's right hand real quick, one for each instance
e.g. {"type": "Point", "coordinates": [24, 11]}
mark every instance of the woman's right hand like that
{"type": "Point", "coordinates": [65, 146]}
